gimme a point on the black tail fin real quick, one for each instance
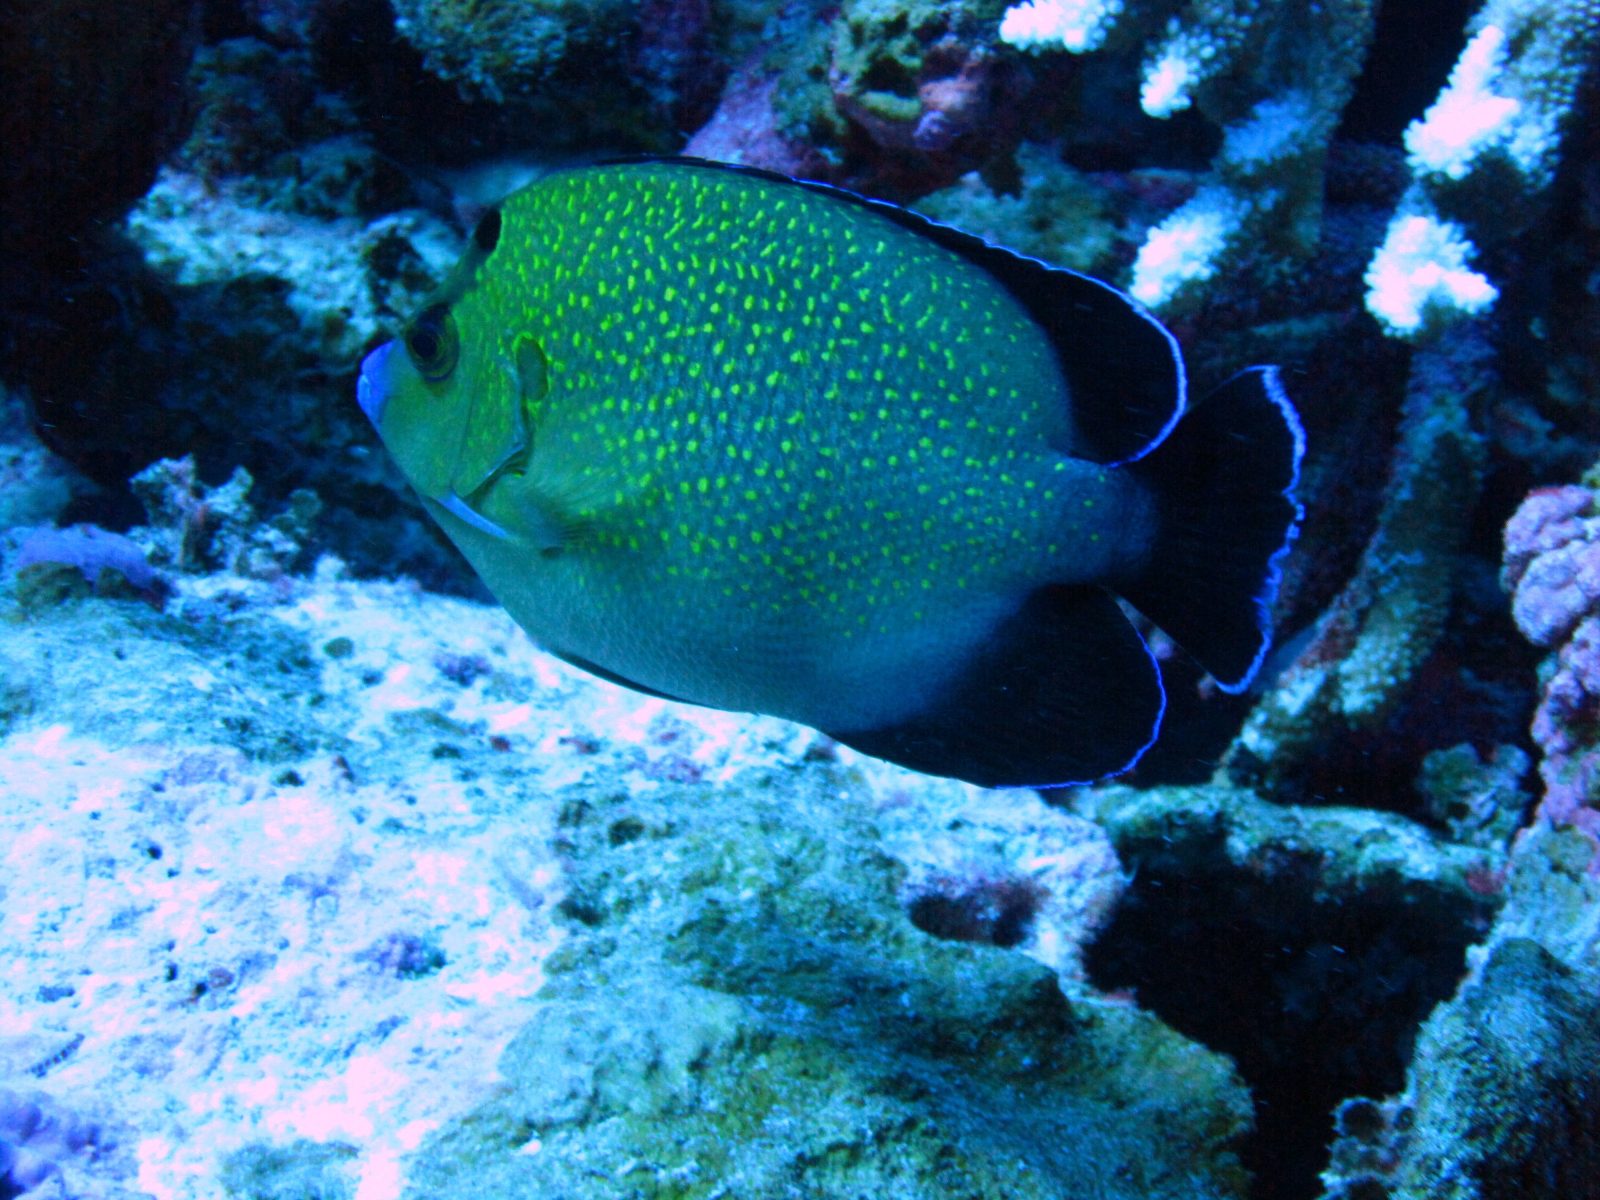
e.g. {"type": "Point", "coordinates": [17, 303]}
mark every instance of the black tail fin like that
{"type": "Point", "coordinates": [1224, 479]}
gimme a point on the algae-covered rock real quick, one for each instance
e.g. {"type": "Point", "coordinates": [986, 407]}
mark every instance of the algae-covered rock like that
{"type": "Point", "coordinates": [35, 485]}
{"type": "Point", "coordinates": [1508, 1106]}
{"type": "Point", "coordinates": [1306, 942]}
{"type": "Point", "coordinates": [1502, 1096]}
{"type": "Point", "coordinates": [744, 1010]}
{"type": "Point", "coordinates": [608, 68]}
{"type": "Point", "coordinates": [304, 1171]}
{"type": "Point", "coordinates": [1060, 215]}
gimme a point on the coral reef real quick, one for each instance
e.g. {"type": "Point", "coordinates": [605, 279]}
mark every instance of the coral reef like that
{"type": "Point", "coordinates": [919, 78]}
{"type": "Point", "coordinates": [1276, 99]}
{"type": "Point", "coordinates": [229, 819]}
{"type": "Point", "coordinates": [1500, 1098]}
{"type": "Point", "coordinates": [35, 485]}
{"type": "Point", "coordinates": [263, 306]}
{"type": "Point", "coordinates": [1480, 803]}
{"type": "Point", "coordinates": [1496, 1100]}
{"type": "Point", "coordinates": [606, 68]}
{"type": "Point", "coordinates": [395, 904]}
{"type": "Point", "coordinates": [495, 48]}
{"type": "Point", "coordinates": [810, 1039]}
{"type": "Point", "coordinates": [1497, 1094]}
{"type": "Point", "coordinates": [266, 132]}
{"type": "Point", "coordinates": [775, 110]}
{"type": "Point", "coordinates": [298, 789]}
{"type": "Point", "coordinates": [1062, 216]}
{"type": "Point", "coordinates": [1305, 942]}
{"type": "Point", "coordinates": [1276, 82]}
{"type": "Point", "coordinates": [1368, 646]}
{"type": "Point", "coordinates": [192, 527]}
{"type": "Point", "coordinates": [891, 97]}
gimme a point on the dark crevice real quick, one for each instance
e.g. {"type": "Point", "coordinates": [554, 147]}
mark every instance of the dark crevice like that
{"type": "Point", "coordinates": [1413, 48]}
{"type": "Point", "coordinates": [1315, 1000]}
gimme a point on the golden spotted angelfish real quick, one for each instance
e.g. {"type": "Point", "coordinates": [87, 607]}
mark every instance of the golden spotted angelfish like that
{"type": "Point", "coordinates": [766, 445]}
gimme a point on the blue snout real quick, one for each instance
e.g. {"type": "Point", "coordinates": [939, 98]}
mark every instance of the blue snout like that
{"type": "Point", "coordinates": [370, 390]}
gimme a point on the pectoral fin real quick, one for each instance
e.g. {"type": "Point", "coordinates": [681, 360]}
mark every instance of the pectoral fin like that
{"type": "Point", "coordinates": [465, 513]}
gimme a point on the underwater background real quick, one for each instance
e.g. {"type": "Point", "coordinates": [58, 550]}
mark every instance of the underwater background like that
{"type": "Point", "coordinates": [321, 880]}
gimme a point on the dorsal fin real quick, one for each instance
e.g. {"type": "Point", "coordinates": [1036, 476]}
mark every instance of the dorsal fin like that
{"type": "Point", "coordinates": [1123, 369]}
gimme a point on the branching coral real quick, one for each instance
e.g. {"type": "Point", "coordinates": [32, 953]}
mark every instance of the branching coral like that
{"type": "Point", "coordinates": [1275, 80]}
{"type": "Point", "coordinates": [1481, 158]}
{"type": "Point", "coordinates": [1367, 648]}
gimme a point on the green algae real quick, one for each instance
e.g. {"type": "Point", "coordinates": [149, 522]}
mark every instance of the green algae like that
{"type": "Point", "coordinates": [302, 1170]}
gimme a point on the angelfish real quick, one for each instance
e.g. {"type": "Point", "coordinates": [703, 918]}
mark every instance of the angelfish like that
{"type": "Point", "coordinates": [763, 444]}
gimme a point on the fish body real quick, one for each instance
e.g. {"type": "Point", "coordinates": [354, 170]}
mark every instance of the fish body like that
{"type": "Point", "coordinates": [768, 446]}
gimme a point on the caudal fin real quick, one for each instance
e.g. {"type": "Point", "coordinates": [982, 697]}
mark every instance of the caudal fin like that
{"type": "Point", "coordinates": [1224, 480]}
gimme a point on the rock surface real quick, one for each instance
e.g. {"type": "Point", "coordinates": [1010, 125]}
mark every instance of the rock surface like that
{"type": "Point", "coordinates": [318, 883]}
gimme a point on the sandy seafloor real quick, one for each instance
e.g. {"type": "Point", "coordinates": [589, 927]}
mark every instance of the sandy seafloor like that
{"type": "Point", "coordinates": [279, 867]}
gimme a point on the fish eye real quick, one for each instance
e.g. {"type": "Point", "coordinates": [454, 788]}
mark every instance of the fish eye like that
{"type": "Point", "coordinates": [432, 343]}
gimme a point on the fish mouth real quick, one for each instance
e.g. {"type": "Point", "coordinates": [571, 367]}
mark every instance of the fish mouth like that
{"type": "Point", "coordinates": [370, 392]}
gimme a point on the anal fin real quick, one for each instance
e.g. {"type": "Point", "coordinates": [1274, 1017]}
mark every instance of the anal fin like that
{"type": "Point", "coordinates": [1065, 691]}
{"type": "Point", "coordinates": [599, 672]}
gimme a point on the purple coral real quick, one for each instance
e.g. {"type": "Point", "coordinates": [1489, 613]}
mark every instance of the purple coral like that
{"type": "Point", "coordinates": [89, 549]}
{"type": "Point", "coordinates": [1552, 568]}
{"type": "Point", "coordinates": [745, 128]}
{"type": "Point", "coordinates": [1552, 562]}
{"type": "Point", "coordinates": [34, 1134]}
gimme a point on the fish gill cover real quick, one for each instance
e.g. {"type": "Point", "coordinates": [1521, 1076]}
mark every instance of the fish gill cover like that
{"type": "Point", "coordinates": [323, 878]}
